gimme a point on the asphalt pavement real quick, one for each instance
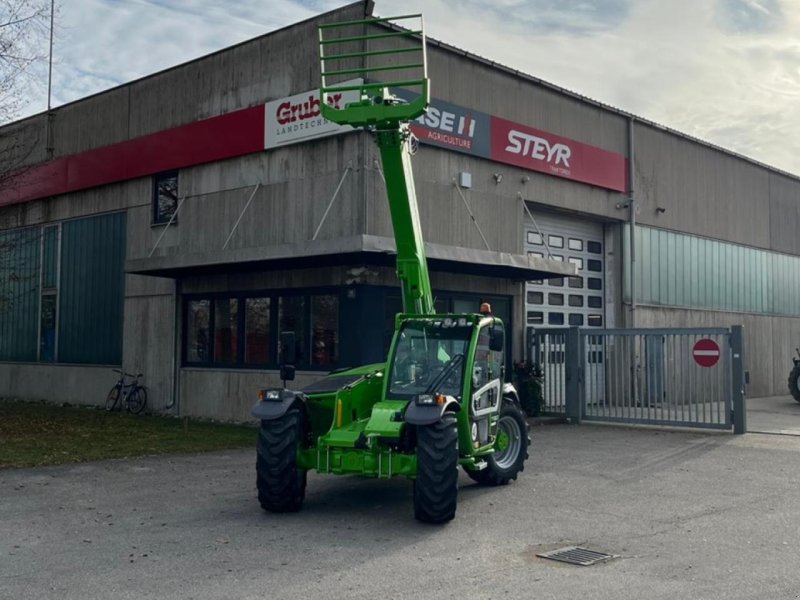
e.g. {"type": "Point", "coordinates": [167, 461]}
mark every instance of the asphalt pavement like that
{"type": "Point", "coordinates": [691, 515]}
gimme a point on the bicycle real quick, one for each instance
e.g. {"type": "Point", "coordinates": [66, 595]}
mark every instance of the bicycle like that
{"type": "Point", "coordinates": [129, 393]}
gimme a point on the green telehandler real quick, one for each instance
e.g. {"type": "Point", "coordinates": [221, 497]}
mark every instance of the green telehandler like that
{"type": "Point", "coordinates": [440, 400]}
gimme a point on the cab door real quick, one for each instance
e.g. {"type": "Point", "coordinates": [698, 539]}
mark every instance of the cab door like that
{"type": "Point", "coordinates": [487, 380]}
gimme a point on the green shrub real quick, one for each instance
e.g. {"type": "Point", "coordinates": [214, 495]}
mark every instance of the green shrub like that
{"type": "Point", "coordinates": [528, 381]}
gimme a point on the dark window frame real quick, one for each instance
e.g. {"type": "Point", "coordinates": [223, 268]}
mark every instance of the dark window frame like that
{"type": "Point", "coordinates": [155, 216]}
{"type": "Point", "coordinates": [241, 297]}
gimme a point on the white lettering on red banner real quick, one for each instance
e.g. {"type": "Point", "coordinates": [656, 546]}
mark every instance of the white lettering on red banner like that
{"type": "Point", "coordinates": [538, 148]}
{"type": "Point", "coordinates": [298, 118]}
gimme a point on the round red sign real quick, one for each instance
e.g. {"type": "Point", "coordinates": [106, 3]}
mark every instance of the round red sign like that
{"type": "Point", "coordinates": [706, 352]}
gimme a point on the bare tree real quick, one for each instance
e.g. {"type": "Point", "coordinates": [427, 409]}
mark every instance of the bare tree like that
{"type": "Point", "coordinates": [24, 34]}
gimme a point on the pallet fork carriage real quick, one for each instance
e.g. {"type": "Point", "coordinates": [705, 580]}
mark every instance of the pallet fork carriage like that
{"type": "Point", "coordinates": [440, 400]}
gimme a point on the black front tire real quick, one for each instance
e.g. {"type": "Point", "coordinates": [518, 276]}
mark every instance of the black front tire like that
{"type": "Point", "coordinates": [794, 382]}
{"type": "Point", "coordinates": [436, 485]}
{"type": "Point", "coordinates": [505, 464]}
{"type": "Point", "coordinates": [281, 485]}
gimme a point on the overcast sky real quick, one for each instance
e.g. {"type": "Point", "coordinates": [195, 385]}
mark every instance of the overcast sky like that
{"type": "Point", "coordinates": [726, 71]}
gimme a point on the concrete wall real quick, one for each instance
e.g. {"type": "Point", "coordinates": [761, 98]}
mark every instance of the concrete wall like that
{"type": "Point", "coordinates": [704, 191]}
{"type": "Point", "coordinates": [296, 185]}
{"type": "Point", "coordinates": [769, 341]}
{"type": "Point", "coordinates": [149, 337]}
{"type": "Point", "coordinates": [75, 384]}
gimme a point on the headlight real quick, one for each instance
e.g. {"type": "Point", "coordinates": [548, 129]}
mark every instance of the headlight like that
{"type": "Point", "coordinates": [269, 395]}
{"type": "Point", "coordinates": [431, 399]}
{"type": "Point", "coordinates": [426, 399]}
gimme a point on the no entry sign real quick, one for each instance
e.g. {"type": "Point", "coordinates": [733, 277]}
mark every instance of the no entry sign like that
{"type": "Point", "coordinates": [706, 352]}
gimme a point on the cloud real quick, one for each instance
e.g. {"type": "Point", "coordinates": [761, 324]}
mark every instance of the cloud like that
{"type": "Point", "coordinates": [727, 71]}
{"type": "Point", "coordinates": [749, 15]}
{"type": "Point", "coordinates": [548, 16]}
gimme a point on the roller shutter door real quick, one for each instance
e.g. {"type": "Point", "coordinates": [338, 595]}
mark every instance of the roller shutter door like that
{"type": "Point", "coordinates": [567, 301]}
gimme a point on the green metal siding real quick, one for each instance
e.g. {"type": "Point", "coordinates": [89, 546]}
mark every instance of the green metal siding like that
{"type": "Point", "coordinates": [92, 291]}
{"type": "Point", "coordinates": [674, 269]}
{"type": "Point", "coordinates": [50, 257]}
{"type": "Point", "coordinates": [19, 294]}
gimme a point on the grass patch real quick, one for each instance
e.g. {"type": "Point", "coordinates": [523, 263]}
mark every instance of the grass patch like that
{"type": "Point", "coordinates": [36, 433]}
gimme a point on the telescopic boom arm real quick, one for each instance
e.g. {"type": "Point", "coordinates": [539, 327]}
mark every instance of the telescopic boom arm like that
{"type": "Point", "coordinates": [380, 111]}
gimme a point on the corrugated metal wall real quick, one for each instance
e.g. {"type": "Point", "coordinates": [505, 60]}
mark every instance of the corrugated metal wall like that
{"type": "Point", "coordinates": [92, 290]}
{"type": "Point", "coordinates": [19, 293]}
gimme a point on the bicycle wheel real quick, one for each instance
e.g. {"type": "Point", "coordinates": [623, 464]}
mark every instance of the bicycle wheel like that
{"type": "Point", "coordinates": [137, 400]}
{"type": "Point", "coordinates": [112, 400]}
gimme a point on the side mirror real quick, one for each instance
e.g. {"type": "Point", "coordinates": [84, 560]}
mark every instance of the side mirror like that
{"type": "Point", "coordinates": [287, 373]}
{"type": "Point", "coordinates": [288, 353]}
{"type": "Point", "coordinates": [496, 340]}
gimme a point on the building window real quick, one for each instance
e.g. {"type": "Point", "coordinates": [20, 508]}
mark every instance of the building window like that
{"type": "Point", "coordinates": [594, 247]}
{"type": "Point", "coordinates": [535, 298]}
{"type": "Point", "coordinates": [555, 241]}
{"type": "Point", "coordinates": [576, 319]}
{"type": "Point", "coordinates": [226, 311]}
{"type": "Point", "coordinates": [292, 317]}
{"type": "Point", "coordinates": [576, 283]}
{"type": "Point", "coordinates": [555, 299]}
{"type": "Point", "coordinates": [256, 331]}
{"type": "Point", "coordinates": [197, 331]}
{"type": "Point", "coordinates": [534, 238]}
{"type": "Point", "coordinates": [535, 317]}
{"type": "Point", "coordinates": [595, 283]}
{"type": "Point", "coordinates": [242, 330]}
{"type": "Point", "coordinates": [555, 318]}
{"type": "Point", "coordinates": [165, 197]}
{"type": "Point", "coordinates": [324, 330]}
{"type": "Point", "coordinates": [574, 244]}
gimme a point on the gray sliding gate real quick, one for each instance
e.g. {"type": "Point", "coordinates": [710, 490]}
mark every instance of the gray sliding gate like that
{"type": "Point", "coordinates": [675, 377]}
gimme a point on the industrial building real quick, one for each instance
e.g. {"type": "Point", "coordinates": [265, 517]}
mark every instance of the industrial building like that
{"type": "Point", "coordinates": [176, 224]}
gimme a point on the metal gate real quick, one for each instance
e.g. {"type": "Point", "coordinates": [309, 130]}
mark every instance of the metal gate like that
{"type": "Point", "coordinates": [674, 377]}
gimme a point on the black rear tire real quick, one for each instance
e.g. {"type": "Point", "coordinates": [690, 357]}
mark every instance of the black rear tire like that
{"type": "Point", "coordinates": [504, 465]}
{"type": "Point", "coordinates": [281, 485]}
{"type": "Point", "coordinates": [794, 382]}
{"type": "Point", "coordinates": [137, 400]}
{"type": "Point", "coordinates": [112, 399]}
{"type": "Point", "coordinates": [436, 485]}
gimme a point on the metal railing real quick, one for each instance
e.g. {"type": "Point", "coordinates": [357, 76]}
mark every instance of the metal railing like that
{"type": "Point", "coordinates": [674, 377]}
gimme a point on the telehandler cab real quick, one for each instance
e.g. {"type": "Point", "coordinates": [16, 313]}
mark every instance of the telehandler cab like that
{"type": "Point", "coordinates": [440, 400]}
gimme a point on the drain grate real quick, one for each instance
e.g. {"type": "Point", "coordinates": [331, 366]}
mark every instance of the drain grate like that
{"type": "Point", "coordinates": [575, 555]}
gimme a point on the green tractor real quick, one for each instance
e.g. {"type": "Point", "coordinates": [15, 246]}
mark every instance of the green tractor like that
{"type": "Point", "coordinates": [440, 400]}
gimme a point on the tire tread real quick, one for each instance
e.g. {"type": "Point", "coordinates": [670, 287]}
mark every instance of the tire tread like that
{"type": "Point", "coordinates": [281, 485]}
{"type": "Point", "coordinates": [436, 485]}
